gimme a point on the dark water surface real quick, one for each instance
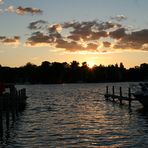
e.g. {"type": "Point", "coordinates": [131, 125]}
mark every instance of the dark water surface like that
{"type": "Point", "coordinates": [76, 115]}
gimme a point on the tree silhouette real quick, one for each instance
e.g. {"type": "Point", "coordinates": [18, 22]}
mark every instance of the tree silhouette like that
{"type": "Point", "coordinates": [55, 72]}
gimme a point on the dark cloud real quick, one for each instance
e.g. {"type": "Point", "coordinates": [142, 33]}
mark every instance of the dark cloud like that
{"type": "Point", "coordinates": [117, 34]}
{"type": "Point", "coordinates": [69, 46]}
{"type": "Point", "coordinates": [55, 28]}
{"type": "Point", "coordinates": [90, 25]}
{"type": "Point", "coordinates": [37, 24]}
{"type": "Point", "coordinates": [98, 35]}
{"type": "Point", "coordinates": [134, 40]}
{"type": "Point", "coordinates": [106, 44]}
{"type": "Point", "coordinates": [74, 46]}
{"type": "Point", "coordinates": [22, 10]}
{"type": "Point", "coordinates": [86, 36]}
{"type": "Point", "coordinates": [81, 35]}
{"type": "Point", "coordinates": [92, 47]}
{"type": "Point", "coordinates": [2, 38]}
{"type": "Point", "coordinates": [87, 30]}
{"type": "Point", "coordinates": [108, 25]}
{"type": "Point", "coordinates": [10, 40]}
{"type": "Point", "coordinates": [38, 38]}
{"type": "Point", "coordinates": [138, 36]}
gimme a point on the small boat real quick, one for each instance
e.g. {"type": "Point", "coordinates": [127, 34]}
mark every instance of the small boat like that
{"type": "Point", "coordinates": [142, 94]}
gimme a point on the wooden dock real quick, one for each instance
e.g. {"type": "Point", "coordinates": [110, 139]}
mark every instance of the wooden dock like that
{"type": "Point", "coordinates": [11, 104]}
{"type": "Point", "coordinates": [119, 97]}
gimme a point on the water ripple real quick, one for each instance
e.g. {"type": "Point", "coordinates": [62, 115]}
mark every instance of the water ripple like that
{"type": "Point", "coordinates": [76, 115]}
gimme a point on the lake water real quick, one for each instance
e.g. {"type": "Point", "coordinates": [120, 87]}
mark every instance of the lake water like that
{"type": "Point", "coordinates": [76, 115]}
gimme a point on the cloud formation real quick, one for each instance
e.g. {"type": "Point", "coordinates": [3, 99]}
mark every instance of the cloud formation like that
{"type": "Point", "coordinates": [81, 36]}
{"type": "Point", "coordinates": [10, 40]}
{"type": "Point", "coordinates": [87, 36]}
{"type": "Point", "coordinates": [106, 44]}
{"type": "Point", "coordinates": [118, 33]}
{"type": "Point", "coordinates": [10, 9]}
{"type": "Point", "coordinates": [134, 40]}
{"type": "Point", "coordinates": [38, 39]}
{"type": "Point", "coordinates": [119, 18]}
{"type": "Point", "coordinates": [55, 28]}
{"type": "Point", "coordinates": [24, 10]}
{"type": "Point", "coordinates": [37, 25]}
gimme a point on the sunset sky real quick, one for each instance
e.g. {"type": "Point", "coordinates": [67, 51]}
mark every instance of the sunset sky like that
{"type": "Point", "coordinates": [96, 31]}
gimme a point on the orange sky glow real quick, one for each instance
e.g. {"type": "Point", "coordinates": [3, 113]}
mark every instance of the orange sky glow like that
{"type": "Point", "coordinates": [37, 33]}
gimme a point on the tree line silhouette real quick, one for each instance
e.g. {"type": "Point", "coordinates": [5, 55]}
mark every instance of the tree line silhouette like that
{"type": "Point", "coordinates": [55, 73]}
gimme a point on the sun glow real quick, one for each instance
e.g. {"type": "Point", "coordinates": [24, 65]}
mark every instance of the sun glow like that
{"type": "Point", "coordinates": [91, 64]}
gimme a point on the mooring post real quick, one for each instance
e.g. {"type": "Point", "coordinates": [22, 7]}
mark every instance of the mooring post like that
{"type": "Point", "coordinates": [129, 96]}
{"type": "Point", "coordinates": [120, 95]}
{"type": "Point", "coordinates": [13, 112]}
{"type": "Point", "coordinates": [113, 91]}
{"type": "Point", "coordinates": [16, 103]}
{"type": "Point", "coordinates": [106, 93]}
{"type": "Point", "coordinates": [7, 113]}
{"type": "Point", "coordinates": [1, 118]}
{"type": "Point", "coordinates": [24, 92]}
{"type": "Point", "coordinates": [107, 90]}
{"type": "Point", "coordinates": [13, 106]}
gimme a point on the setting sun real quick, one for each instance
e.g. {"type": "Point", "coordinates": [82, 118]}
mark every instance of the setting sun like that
{"type": "Point", "coordinates": [90, 64]}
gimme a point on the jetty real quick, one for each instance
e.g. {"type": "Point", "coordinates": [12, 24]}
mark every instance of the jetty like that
{"type": "Point", "coordinates": [12, 102]}
{"type": "Point", "coordinates": [113, 96]}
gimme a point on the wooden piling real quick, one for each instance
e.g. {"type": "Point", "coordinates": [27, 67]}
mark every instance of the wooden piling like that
{"type": "Point", "coordinates": [7, 112]}
{"type": "Point", "coordinates": [120, 98]}
{"type": "Point", "coordinates": [1, 119]}
{"type": "Point", "coordinates": [113, 91]}
{"type": "Point", "coordinates": [129, 96]}
{"type": "Point", "coordinates": [106, 93]}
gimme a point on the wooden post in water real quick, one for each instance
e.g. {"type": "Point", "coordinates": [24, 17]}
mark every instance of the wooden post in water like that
{"type": "Point", "coordinates": [107, 92]}
{"type": "Point", "coordinates": [17, 103]}
{"type": "Point", "coordinates": [13, 112]}
{"type": "Point", "coordinates": [7, 112]}
{"type": "Point", "coordinates": [129, 96]}
{"type": "Point", "coordinates": [1, 118]}
{"type": "Point", "coordinates": [120, 98]}
{"type": "Point", "coordinates": [113, 91]}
